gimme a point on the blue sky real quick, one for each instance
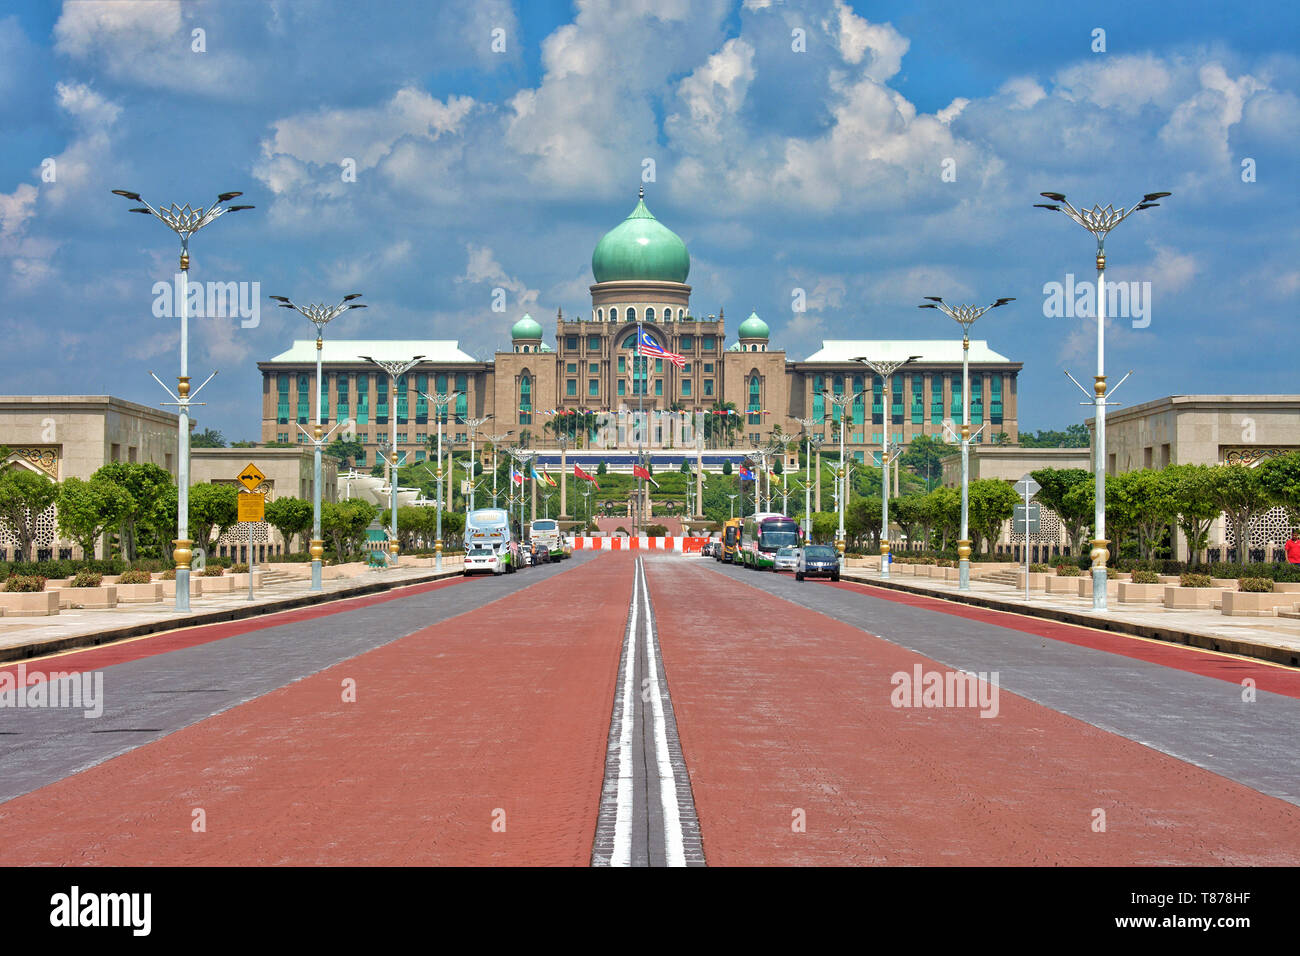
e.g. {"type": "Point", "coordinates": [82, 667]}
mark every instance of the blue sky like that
{"type": "Point", "coordinates": [821, 169]}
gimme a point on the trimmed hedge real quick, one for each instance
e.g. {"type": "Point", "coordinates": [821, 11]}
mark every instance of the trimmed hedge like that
{"type": "Point", "coordinates": [1255, 585]}
{"type": "Point", "coordinates": [1145, 577]}
{"type": "Point", "coordinates": [1195, 581]}
{"type": "Point", "coordinates": [25, 582]}
{"type": "Point", "coordinates": [87, 579]}
{"type": "Point", "coordinates": [135, 576]}
{"type": "Point", "coordinates": [213, 571]}
{"type": "Point", "coordinates": [1069, 571]}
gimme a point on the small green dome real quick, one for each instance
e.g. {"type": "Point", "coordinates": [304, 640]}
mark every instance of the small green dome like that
{"type": "Point", "coordinates": [753, 328]}
{"type": "Point", "coordinates": [733, 347]}
{"type": "Point", "coordinates": [526, 328]}
{"type": "Point", "coordinates": [641, 247]}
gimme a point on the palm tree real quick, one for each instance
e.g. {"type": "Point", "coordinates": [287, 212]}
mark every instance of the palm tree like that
{"type": "Point", "coordinates": [724, 425]}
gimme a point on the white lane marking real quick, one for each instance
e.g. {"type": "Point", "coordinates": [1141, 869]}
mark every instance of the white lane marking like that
{"type": "Point", "coordinates": [674, 850]}
{"type": "Point", "coordinates": [622, 854]}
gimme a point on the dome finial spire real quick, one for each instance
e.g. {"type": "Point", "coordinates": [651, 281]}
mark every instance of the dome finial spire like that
{"type": "Point", "coordinates": [640, 193]}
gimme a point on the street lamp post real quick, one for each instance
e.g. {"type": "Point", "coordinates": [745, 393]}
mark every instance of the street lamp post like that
{"type": "Point", "coordinates": [965, 316]}
{"type": "Point", "coordinates": [395, 371]}
{"type": "Point", "coordinates": [807, 424]}
{"type": "Point", "coordinates": [185, 222]}
{"type": "Point", "coordinates": [1099, 222]}
{"type": "Point", "coordinates": [440, 403]}
{"type": "Point", "coordinates": [319, 316]}
{"type": "Point", "coordinates": [496, 440]}
{"type": "Point", "coordinates": [473, 424]}
{"type": "Point", "coordinates": [843, 402]}
{"type": "Point", "coordinates": [731, 506]}
{"type": "Point", "coordinates": [885, 369]}
{"type": "Point", "coordinates": [522, 456]}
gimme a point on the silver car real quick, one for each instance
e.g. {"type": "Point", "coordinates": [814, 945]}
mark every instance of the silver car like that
{"type": "Point", "coordinates": [787, 559]}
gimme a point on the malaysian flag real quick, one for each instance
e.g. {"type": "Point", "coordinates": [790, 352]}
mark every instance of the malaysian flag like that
{"type": "Point", "coordinates": [647, 346]}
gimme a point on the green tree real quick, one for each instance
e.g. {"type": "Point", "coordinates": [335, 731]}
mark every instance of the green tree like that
{"type": "Point", "coordinates": [1075, 510]}
{"type": "Point", "coordinates": [908, 513]}
{"type": "Point", "coordinates": [208, 438]}
{"type": "Point", "coordinates": [345, 523]}
{"type": "Point", "coordinates": [144, 483]}
{"type": "Point", "coordinates": [24, 497]}
{"type": "Point", "coordinates": [1280, 477]}
{"type": "Point", "coordinates": [991, 503]}
{"type": "Point", "coordinates": [212, 506]}
{"type": "Point", "coordinates": [941, 509]}
{"type": "Point", "coordinates": [243, 444]}
{"type": "Point", "coordinates": [1144, 501]}
{"type": "Point", "coordinates": [602, 468]}
{"type": "Point", "coordinates": [346, 450]}
{"type": "Point", "coordinates": [89, 508]}
{"type": "Point", "coordinates": [1075, 436]}
{"type": "Point", "coordinates": [290, 516]}
{"type": "Point", "coordinates": [825, 525]}
{"type": "Point", "coordinates": [1197, 508]}
{"type": "Point", "coordinates": [726, 467]}
{"type": "Point", "coordinates": [1240, 495]}
{"type": "Point", "coordinates": [923, 456]}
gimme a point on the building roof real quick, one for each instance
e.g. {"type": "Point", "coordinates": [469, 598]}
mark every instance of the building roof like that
{"type": "Point", "coordinates": [929, 350]}
{"type": "Point", "coordinates": [641, 247]}
{"type": "Point", "coordinates": [386, 350]}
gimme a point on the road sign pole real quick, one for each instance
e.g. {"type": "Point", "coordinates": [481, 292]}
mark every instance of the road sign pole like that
{"type": "Point", "coordinates": [252, 561]}
{"type": "Point", "coordinates": [1027, 488]}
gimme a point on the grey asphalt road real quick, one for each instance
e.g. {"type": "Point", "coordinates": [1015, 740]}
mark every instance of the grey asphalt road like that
{"type": "Point", "coordinates": [152, 697]}
{"type": "Point", "coordinates": [1202, 720]}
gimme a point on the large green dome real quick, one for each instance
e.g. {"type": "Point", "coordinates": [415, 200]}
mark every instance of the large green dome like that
{"type": "Point", "coordinates": [641, 247]}
{"type": "Point", "coordinates": [526, 328]}
{"type": "Point", "coordinates": [753, 328]}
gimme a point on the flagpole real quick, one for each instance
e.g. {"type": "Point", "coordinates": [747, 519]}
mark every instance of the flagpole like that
{"type": "Point", "coordinates": [640, 424]}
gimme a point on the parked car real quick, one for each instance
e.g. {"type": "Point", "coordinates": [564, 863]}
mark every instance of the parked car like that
{"type": "Point", "coordinates": [481, 561]}
{"type": "Point", "coordinates": [541, 554]}
{"type": "Point", "coordinates": [818, 561]}
{"type": "Point", "coordinates": [787, 559]}
{"type": "Point", "coordinates": [526, 557]}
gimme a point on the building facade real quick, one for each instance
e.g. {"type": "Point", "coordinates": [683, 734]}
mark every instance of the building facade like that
{"type": "Point", "coordinates": [640, 268]}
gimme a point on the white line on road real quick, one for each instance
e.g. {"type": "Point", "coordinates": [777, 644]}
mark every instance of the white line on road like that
{"type": "Point", "coordinates": [674, 851]}
{"type": "Point", "coordinates": [622, 855]}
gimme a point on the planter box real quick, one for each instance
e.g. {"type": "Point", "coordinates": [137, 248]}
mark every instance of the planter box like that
{"type": "Point", "coordinates": [1059, 585]}
{"type": "Point", "coordinates": [1085, 587]}
{"type": "Point", "coordinates": [239, 582]}
{"type": "Point", "coordinates": [1130, 593]}
{"type": "Point", "coordinates": [52, 583]}
{"type": "Point", "coordinates": [949, 574]}
{"type": "Point", "coordinates": [1170, 578]}
{"type": "Point", "coordinates": [1248, 604]}
{"type": "Point", "coordinates": [1037, 580]}
{"type": "Point", "coordinates": [1192, 599]}
{"type": "Point", "coordinates": [196, 589]}
{"type": "Point", "coordinates": [221, 585]}
{"type": "Point", "coordinates": [1286, 587]}
{"type": "Point", "coordinates": [29, 604]}
{"type": "Point", "coordinates": [102, 596]}
{"type": "Point", "coordinates": [140, 593]}
{"type": "Point", "coordinates": [1228, 584]}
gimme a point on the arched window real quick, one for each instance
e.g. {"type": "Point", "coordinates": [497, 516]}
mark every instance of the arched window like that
{"type": "Point", "coordinates": [600, 315]}
{"type": "Point", "coordinates": [680, 313]}
{"type": "Point", "coordinates": [631, 314]}
{"type": "Point", "coordinates": [755, 407]}
{"type": "Point", "coordinates": [650, 314]}
{"type": "Point", "coordinates": [525, 399]}
{"type": "Point", "coordinates": [613, 315]}
{"type": "Point", "coordinates": [640, 366]}
{"type": "Point", "coordinates": [753, 348]}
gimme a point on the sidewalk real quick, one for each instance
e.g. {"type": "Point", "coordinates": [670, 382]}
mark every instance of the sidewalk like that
{"type": "Point", "coordinates": [1267, 638]}
{"type": "Point", "coordinates": [26, 637]}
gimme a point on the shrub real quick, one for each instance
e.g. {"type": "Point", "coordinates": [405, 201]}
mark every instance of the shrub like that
{"type": "Point", "coordinates": [25, 582]}
{"type": "Point", "coordinates": [1255, 585]}
{"type": "Point", "coordinates": [1145, 577]}
{"type": "Point", "coordinates": [135, 576]}
{"type": "Point", "coordinates": [213, 571]}
{"type": "Point", "coordinates": [1069, 571]}
{"type": "Point", "coordinates": [1195, 581]}
{"type": "Point", "coordinates": [1039, 568]}
{"type": "Point", "coordinates": [87, 579]}
{"type": "Point", "coordinates": [240, 568]}
{"type": "Point", "coordinates": [168, 575]}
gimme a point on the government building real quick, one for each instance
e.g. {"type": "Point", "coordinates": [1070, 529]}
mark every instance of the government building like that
{"type": "Point", "coordinates": [588, 364]}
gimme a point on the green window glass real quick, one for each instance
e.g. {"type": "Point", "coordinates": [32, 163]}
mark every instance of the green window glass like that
{"type": "Point", "coordinates": [593, 387]}
{"type": "Point", "coordinates": [918, 406]}
{"type": "Point", "coordinates": [571, 387]}
{"type": "Point", "coordinates": [936, 399]}
{"type": "Point", "coordinates": [659, 366]}
{"type": "Point", "coordinates": [977, 400]}
{"type": "Point", "coordinates": [325, 402]}
{"type": "Point", "coordinates": [686, 387]}
{"type": "Point", "coordinates": [361, 458]}
{"type": "Point", "coordinates": [525, 400]}
{"type": "Point", "coordinates": [837, 386]}
{"type": "Point", "coordinates": [708, 388]}
{"type": "Point", "coordinates": [403, 392]}
{"type": "Point", "coordinates": [659, 386]}
{"type": "Point", "coordinates": [571, 343]}
{"type": "Point", "coordinates": [462, 400]}
{"type": "Point", "coordinates": [622, 387]}
{"type": "Point", "coordinates": [593, 343]}
{"type": "Point", "coordinates": [688, 343]}
{"type": "Point", "coordinates": [708, 343]}
{"type": "Point", "coordinates": [877, 410]}
{"type": "Point", "coordinates": [381, 399]}
{"type": "Point", "coordinates": [440, 388]}
{"type": "Point", "coordinates": [421, 403]}
{"type": "Point", "coordinates": [304, 399]}
{"type": "Point", "coordinates": [995, 400]}
{"type": "Point", "coordinates": [956, 398]}
{"type": "Point", "coordinates": [344, 405]}
{"type": "Point", "coordinates": [363, 399]}
{"type": "Point", "coordinates": [819, 400]}
{"type": "Point", "coordinates": [708, 368]}
{"type": "Point", "coordinates": [859, 401]}
{"type": "Point", "coordinates": [282, 399]}
{"type": "Point", "coordinates": [622, 365]}
{"type": "Point", "coordinates": [593, 368]}
{"type": "Point", "coordinates": [896, 400]}
{"type": "Point", "coordinates": [571, 368]}
{"type": "Point", "coordinates": [755, 402]}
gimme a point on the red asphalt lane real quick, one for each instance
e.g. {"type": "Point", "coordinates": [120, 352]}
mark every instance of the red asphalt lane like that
{"type": "Point", "coordinates": [1275, 678]}
{"type": "Point", "coordinates": [785, 713]}
{"type": "Point", "coordinates": [480, 740]}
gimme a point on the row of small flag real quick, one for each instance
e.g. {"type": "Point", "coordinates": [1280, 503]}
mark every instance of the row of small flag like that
{"type": "Point", "coordinates": [658, 413]}
{"type": "Point", "coordinates": [545, 478]}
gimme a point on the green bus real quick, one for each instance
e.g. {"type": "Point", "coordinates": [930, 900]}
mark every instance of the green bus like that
{"type": "Point", "coordinates": [763, 534]}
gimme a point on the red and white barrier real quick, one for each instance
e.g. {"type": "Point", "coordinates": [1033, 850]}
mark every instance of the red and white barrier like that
{"type": "Point", "coordinates": [684, 545]}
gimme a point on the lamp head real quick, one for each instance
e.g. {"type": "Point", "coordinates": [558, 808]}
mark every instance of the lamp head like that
{"type": "Point", "coordinates": [226, 197]}
{"type": "Point", "coordinates": [134, 197]}
{"type": "Point", "coordinates": [1055, 197]}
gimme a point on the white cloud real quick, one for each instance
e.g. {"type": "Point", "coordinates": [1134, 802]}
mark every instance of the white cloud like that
{"type": "Point", "coordinates": [483, 270]}
{"type": "Point", "coordinates": [858, 37]}
{"type": "Point", "coordinates": [1023, 92]}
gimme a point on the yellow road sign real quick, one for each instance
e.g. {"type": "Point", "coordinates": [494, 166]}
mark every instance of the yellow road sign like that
{"type": "Point", "coordinates": [252, 507]}
{"type": "Point", "coordinates": [251, 476]}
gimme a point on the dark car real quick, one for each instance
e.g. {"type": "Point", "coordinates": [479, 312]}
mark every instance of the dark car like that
{"type": "Point", "coordinates": [818, 561]}
{"type": "Point", "coordinates": [541, 554]}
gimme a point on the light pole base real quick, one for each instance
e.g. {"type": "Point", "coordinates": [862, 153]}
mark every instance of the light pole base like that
{"type": "Point", "coordinates": [437, 555]}
{"type": "Point", "coordinates": [884, 560]}
{"type": "Point", "coordinates": [963, 565]}
{"type": "Point", "coordinates": [316, 584]}
{"type": "Point", "coordinates": [1100, 555]}
{"type": "Point", "coordinates": [183, 589]}
{"type": "Point", "coordinates": [317, 553]}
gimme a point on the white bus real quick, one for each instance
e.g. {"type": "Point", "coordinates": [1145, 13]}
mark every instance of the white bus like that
{"type": "Point", "coordinates": [546, 532]}
{"type": "Point", "coordinates": [489, 528]}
